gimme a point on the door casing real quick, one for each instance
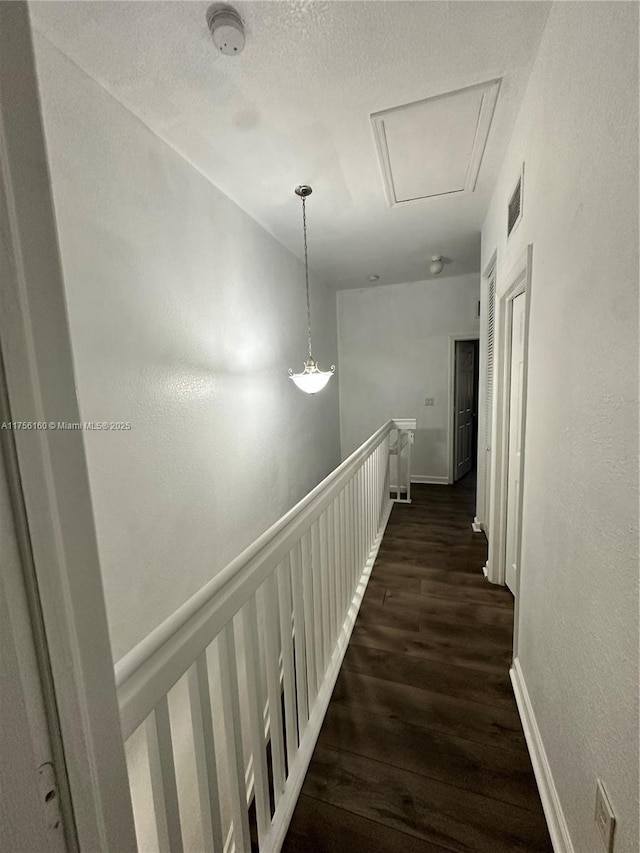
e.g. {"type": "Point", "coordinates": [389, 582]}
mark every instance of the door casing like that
{"type": "Point", "coordinates": [519, 280]}
{"type": "Point", "coordinates": [51, 469]}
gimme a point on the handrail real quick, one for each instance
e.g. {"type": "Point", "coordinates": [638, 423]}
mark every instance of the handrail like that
{"type": "Point", "coordinates": [133, 659]}
{"type": "Point", "coordinates": [170, 631]}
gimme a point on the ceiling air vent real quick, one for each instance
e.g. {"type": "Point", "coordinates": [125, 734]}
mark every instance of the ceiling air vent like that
{"type": "Point", "coordinates": [514, 211]}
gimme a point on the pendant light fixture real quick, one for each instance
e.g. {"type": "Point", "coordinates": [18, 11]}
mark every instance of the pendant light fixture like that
{"type": "Point", "coordinates": [312, 379]}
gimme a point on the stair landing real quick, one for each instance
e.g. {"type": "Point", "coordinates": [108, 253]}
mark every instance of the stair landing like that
{"type": "Point", "coordinates": [422, 748]}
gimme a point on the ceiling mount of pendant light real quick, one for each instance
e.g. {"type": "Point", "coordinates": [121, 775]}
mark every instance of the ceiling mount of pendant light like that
{"type": "Point", "coordinates": [312, 379]}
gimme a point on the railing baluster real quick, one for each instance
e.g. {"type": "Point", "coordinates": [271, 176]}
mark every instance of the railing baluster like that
{"type": "Point", "coordinates": [290, 711]}
{"type": "Point", "coordinates": [387, 458]}
{"type": "Point", "coordinates": [398, 465]}
{"type": "Point", "coordinates": [301, 629]}
{"type": "Point", "coordinates": [233, 737]}
{"type": "Point", "coordinates": [361, 519]}
{"type": "Point", "coordinates": [205, 753]}
{"type": "Point", "coordinates": [344, 526]}
{"type": "Point", "coordinates": [378, 501]}
{"type": "Point", "coordinates": [332, 573]}
{"type": "Point", "coordinates": [324, 586]}
{"type": "Point", "coordinates": [318, 601]}
{"type": "Point", "coordinates": [353, 536]}
{"type": "Point", "coordinates": [337, 562]}
{"type": "Point", "coordinates": [163, 779]}
{"type": "Point", "coordinates": [272, 655]}
{"type": "Point", "coordinates": [369, 505]}
{"type": "Point", "coordinates": [309, 619]}
{"type": "Point", "coordinates": [256, 719]}
{"type": "Point", "coordinates": [337, 516]}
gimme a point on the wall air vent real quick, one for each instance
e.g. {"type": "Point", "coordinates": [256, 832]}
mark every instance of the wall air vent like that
{"type": "Point", "coordinates": [514, 210]}
{"type": "Point", "coordinates": [434, 147]}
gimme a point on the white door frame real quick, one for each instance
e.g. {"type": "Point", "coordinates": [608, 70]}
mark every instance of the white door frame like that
{"type": "Point", "coordinates": [51, 470]}
{"type": "Point", "coordinates": [519, 282]}
{"type": "Point", "coordinates": [470, 336]}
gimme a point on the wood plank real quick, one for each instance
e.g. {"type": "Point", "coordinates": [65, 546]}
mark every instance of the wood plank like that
{"type": "Point", "coordinates": [319, 827]}
{"type": "Point", "coordinates": [436, 646]}
{"type": "Point", "coordinates": [478, 767]}
{"type": "Point", "coordinates": [447, 815]}
{"type": "Point", "coordinates": [487, 688]}
{"type": "Point", "coordinates": [482, 723]}
{"type": "Point", "coordinates": [447, 609]}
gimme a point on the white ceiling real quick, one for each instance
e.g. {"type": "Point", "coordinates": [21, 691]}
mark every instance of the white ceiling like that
{"type": "Point", "coordinates": [295, 107]}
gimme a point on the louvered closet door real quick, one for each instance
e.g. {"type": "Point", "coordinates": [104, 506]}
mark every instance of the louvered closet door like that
{"type": "Point", "coordinates": [488, 412]}
{"type": "Point", "coordinates": [515, 440]}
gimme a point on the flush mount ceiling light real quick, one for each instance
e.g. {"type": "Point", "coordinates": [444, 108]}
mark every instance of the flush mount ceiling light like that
{"type": "Point", "coordinates": [436, 266]}
{"type": "Point", "coordinates": [312, 379]}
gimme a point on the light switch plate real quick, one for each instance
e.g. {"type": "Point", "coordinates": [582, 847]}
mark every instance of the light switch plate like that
{"type": "Point", "coordinates": [604, 817]}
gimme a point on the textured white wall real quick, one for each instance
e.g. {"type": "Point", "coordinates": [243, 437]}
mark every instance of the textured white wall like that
{"type": "Point", "coordinates": [185, 316]}
{"type": "Point", "coordinates": [394, 352]}
{"type": "Point", "coordinates": [578, 641]}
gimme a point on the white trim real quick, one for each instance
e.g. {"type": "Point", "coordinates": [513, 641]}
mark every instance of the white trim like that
{"type": "Point", "coordinates": [52, 469]}
{"type": "Point", "coordinates": [424, 479]}
{"type": "Point", "coordinates": [470, 336]}
{"type": "Point", "coordinates": [476, 525]}
{"type": "Point", "coordinates": [520, 282]}
{"type": "Point", "coordinates": [556, 822]}
{"type": "Point", "coordinates": [489, 89]}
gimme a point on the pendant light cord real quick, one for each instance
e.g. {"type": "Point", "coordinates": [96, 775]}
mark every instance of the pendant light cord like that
{"type": "Point", "coordinates": [306, 272]}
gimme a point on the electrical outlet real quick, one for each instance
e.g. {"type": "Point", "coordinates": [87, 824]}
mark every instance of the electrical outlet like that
{"type": "Point", "coordinates": [604, 817]}
{"type": "Point", "coordinates": [429, 401]}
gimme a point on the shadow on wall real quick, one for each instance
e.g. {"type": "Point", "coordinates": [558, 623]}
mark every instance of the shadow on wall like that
{"type": "Point", "coordinates": [429, 453]}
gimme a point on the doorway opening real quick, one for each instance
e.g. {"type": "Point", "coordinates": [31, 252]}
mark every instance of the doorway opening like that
{"type": "Point", "coordinates": [463, 407]}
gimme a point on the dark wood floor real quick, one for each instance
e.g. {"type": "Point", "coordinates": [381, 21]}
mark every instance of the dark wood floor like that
{"type": "Point", "coordinates": [422, 748]}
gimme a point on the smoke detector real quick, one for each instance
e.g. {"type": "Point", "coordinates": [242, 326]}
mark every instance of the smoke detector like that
{"type": "Point", "coordinates": [436, 265]}
{"type": "Point", "coordinates": [226, 28]}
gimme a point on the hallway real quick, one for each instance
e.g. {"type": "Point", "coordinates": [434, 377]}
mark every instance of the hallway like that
{"type": "Point", "coordinates": [421, 748]}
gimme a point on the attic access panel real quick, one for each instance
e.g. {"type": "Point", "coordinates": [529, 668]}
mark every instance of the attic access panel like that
{"type": "Point", "coordinates": [434, 147]}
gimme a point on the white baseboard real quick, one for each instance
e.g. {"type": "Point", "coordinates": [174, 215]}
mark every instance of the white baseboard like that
{"type": "Point", "coordinates": [425, 478]}
{"type": "Point", "coordinates": [556, 822]}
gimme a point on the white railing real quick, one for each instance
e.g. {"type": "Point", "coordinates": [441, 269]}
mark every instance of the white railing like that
{"type": "Point", "coordinates": [257, 652]}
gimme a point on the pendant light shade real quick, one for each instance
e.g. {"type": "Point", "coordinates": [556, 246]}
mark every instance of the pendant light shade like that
{"type": "Point", "coordinates": [312, 379]}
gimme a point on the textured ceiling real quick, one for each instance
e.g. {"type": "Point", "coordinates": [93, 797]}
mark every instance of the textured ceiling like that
{"type": "Point", "coordinates": [295, 107]}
